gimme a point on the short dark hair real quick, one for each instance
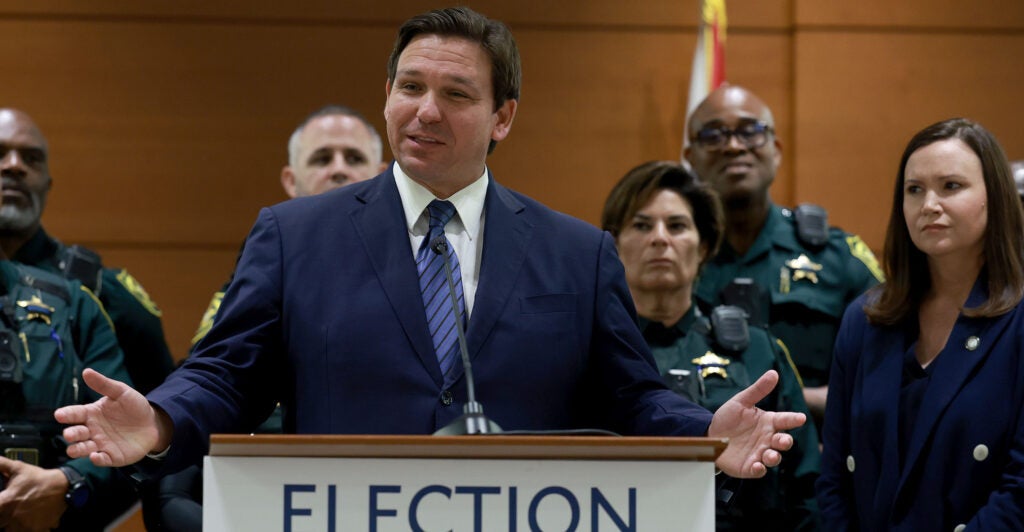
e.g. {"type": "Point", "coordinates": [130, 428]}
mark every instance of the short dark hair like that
{"type": "Point", "coordinates": [640, 184]}
{"type": "Point", "coordinates": [492, 35]}
{"type": "Point", "coordinates": [906, 266]}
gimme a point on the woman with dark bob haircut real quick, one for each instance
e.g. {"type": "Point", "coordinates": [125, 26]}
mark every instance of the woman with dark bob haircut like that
{"type": "Point", "coordinates": [666, 225]}
{"type": "Point", "coordinates": [924, 424]}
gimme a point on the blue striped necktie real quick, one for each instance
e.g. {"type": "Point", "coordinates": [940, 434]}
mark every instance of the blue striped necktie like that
{"type": "Point", "coordinates": [434, 285]}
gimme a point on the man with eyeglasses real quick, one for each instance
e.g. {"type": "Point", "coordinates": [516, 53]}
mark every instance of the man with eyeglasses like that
{"type": "Point", "coordinates": [803, 272]}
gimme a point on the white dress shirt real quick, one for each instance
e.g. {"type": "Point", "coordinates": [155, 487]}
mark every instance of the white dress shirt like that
{"type": "Point", "coordinates": [465, 231]}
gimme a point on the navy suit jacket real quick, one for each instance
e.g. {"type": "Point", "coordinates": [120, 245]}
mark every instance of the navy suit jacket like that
{"type": "Point", "coordinates": [324, 314]}
{"type": "Point", "coordinates": [964, 461]}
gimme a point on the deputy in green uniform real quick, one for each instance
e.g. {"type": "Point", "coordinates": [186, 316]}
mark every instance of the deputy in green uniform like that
{"type": "Point", "coordinates": [50, 330]}
{"type": "Point", "coordinates": [666, 224]}
{"type": "Point", "coordinates": [804, 272]}
{"type": "Point", "coordinates": [26, 181]}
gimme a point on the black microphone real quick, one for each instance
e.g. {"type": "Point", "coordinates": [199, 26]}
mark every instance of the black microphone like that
{"type": "Point", "coordinates": [473, 420]}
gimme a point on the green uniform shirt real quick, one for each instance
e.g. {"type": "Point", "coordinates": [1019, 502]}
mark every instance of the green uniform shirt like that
{"type": "Point", "coordinates": [59, 328]}
{"type": "Point", "coordinates": [693, 365]}
{"type": "Point", "coordinates": [809, 286]}
{"type": "Point", "coordinates": [136, 318]}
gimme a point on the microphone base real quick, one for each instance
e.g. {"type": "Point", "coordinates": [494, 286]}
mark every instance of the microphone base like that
{"type": "Point", "coordinates": [468, 424]}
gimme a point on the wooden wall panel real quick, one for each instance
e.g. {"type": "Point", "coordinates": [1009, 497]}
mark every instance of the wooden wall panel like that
{"type": "Point", "coordinates": [177, 133]}
{"type": "Point", "coordinates": [911, 15]}
{"type": "Point", "coordinates": [596, 104]}
{"type": "Point", "coordinates": [168, 120]}
{"type": "Point", "coordinates": [861, 96]}
{"type": "Point", "coordinates": [180, 281]}
{"type": "Point", "coordinates": [185, 120]}
{"type": "Point", "coordinates": [572, 13]}
{"type": "Point", "coordinates": [168, 123]}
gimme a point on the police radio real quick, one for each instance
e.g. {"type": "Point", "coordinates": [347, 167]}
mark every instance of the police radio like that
{"type": "Point", "coordinates": [18, 440]}
{"type": "Point", "coordinates": [10, 362]}
{"type": "Point", "coordinates": [811, 224]}
{"type": "Point", "coordinates": [745, 293]}
{"type": "Point", "coordinates": [12, 398]}
{"type": "Point", "coordinates": [83, 265]}
{"type": "Point", "coordinates": [729, 325]}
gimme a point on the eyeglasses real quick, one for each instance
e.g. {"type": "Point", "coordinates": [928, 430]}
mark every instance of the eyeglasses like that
{"type": "Point", "coordinates": [751, 134]}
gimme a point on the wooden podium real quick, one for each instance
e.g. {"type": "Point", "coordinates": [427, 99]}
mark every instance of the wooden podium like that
{"type": "Point", "coordinates": [459, 483]}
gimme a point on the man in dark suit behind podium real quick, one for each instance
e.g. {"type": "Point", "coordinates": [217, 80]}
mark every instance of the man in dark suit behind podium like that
{"type": "Point", "coordinates": [326, 313]}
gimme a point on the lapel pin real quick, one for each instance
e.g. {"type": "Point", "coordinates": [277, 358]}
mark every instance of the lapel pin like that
{"type": "Point", "coordinates": [972, 343]}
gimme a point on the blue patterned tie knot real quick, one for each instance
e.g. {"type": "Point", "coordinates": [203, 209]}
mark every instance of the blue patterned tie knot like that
{"type": "Point", "coordinates": [441, 212]}
{"type": "Point", "coordinates": [437, 300]}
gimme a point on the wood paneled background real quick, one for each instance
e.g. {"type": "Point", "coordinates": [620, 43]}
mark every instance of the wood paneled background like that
{"type": "Point", "coordinates": [168, 120]}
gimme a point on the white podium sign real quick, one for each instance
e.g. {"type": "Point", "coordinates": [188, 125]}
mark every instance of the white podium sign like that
{"type": "Point", "coordinates": [457, 486]}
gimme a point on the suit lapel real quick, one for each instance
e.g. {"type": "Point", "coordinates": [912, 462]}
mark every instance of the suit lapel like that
{"type": "Point", "coordinates": [506, 235]}
{"type": "Point", "coordinates": [952, 370]}
{"type": "Point", "coordinates": [380, 225]}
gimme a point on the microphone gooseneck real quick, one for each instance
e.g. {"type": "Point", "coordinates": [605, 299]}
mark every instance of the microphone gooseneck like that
{"type": "Point", "coordinates": [473, 420]}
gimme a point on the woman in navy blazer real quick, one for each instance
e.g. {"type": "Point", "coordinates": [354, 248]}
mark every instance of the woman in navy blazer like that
{"type": "Point", "coordinates": [924, 424]}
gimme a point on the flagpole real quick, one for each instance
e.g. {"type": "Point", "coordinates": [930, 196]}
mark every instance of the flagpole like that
{"type": "Point", "coordinates": [707, 71]}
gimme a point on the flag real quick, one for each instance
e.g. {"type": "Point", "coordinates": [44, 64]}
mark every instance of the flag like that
{"type": "Point", "coordinates": [709, 58]}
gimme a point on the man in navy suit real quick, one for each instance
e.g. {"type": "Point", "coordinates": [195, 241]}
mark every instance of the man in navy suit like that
{"type": "Point", "coordinates": [326, 314]}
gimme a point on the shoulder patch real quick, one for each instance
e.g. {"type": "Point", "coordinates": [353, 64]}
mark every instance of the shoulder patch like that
{"type": "Point", "coordinates": [207, 322]}
{"type": "Point", "coordinates": [135, 289]}
{"type": "Point", "coordinates": [863, 253]}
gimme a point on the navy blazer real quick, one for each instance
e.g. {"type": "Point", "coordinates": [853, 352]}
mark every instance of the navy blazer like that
{"type": "Point", "coordinates": [324, 314]}
{"type": "Point", "coordinates": [964, 461]}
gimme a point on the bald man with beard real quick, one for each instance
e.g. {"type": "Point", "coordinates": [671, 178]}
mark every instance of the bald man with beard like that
{"type": "Point", "coordinates": [27, 183]}
{"type": "Point", "coordinates": [50, 329]}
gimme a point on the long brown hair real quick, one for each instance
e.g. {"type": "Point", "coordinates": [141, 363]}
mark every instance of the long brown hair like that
{"type": "Point", "coordinates": [906, 267]}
